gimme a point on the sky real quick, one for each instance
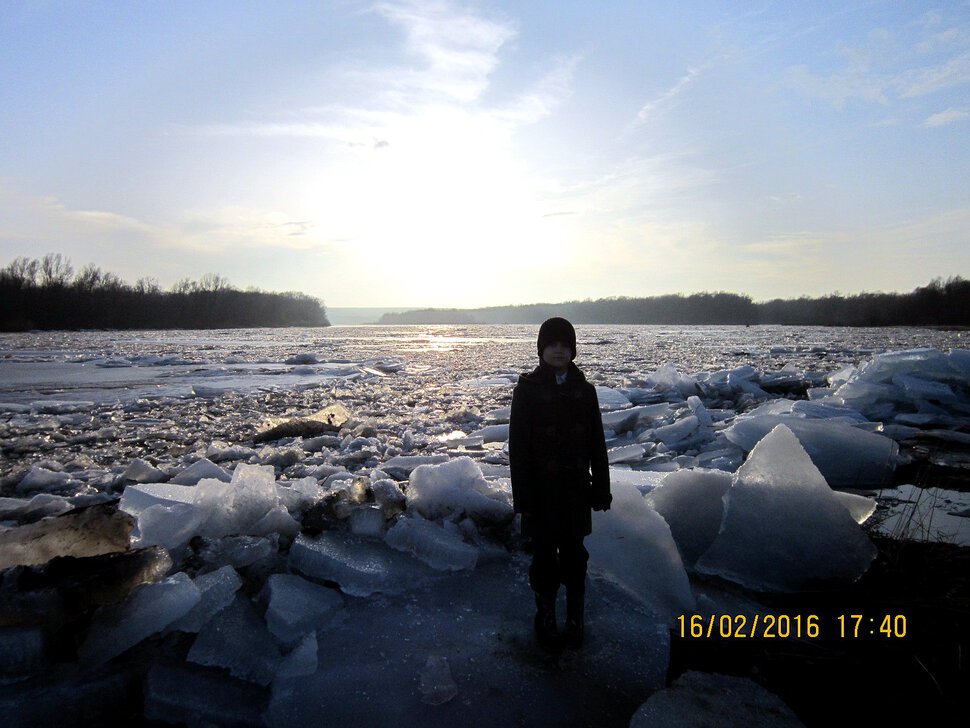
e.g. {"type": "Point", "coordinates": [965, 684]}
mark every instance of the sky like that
{"type": "Point", "coordinates": [430, 153]}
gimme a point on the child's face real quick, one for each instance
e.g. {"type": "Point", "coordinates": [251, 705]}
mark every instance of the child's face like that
{"type": "Point", "coordinates": [557, 355]}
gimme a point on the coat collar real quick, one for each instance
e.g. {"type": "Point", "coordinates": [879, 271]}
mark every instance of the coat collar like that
{"type": "Point", "coordinates": [545, 374]}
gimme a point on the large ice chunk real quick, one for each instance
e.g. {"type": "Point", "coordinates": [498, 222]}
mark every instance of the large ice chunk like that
{"type": "Point", "coordinates": [611, 399]}
{"type": "Point", "coordinates": [198, 470]}
{"type": "Point", "coordinates": [359, 566]}
{"type": "Point", "coordinates": [783, 528]}
{"type": "Point", "coordinates": [628, 419]}
{"type": "Point", "coordinates": [453, 488]}
{"type": "Point", "coordinates": [237, 639]}
{"type": "Point", "coordinates": [847, 456]}
{"type": "Point", "coordinates": [302, 660]}
{"type": "Point", "coordinates": [666, 377]}
{"type": "Point", "coordinates": [631, 543]}
{"type": "Point", "coordinates": [437, 547]}
{"type": "Point", "coordinates": [170, 515]}
{"type": "Point", "coordinates": [690, 502]}
{"type": "Point", "coordinates": [149, 609]}
{"type": "Point", "coordinates": [902, 381]}
{"type": "Point", "coordinates": [297, 606]}
{"type": "Point", "coordinates": [216, 592]}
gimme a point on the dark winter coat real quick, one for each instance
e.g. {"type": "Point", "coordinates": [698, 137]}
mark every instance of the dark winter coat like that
{"type": "Point", "coordinates": [557, 454]}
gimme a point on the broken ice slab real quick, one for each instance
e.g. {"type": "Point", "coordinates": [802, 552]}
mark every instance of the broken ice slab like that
{"type": "Point", "coordinates": [784, 529]}
{"type": "Point", "coordinates": [700, 411]}
{"type": "Point", "coordinates": [730, 382]}
{"type": "Point", "coordinates": [198, 470]}
{"type": "Point", "coordinates": [171, 515]}
{"type": "Point", "coordinates": [859, 506]}
{"type": "Point", "coordinates": [237, 551]}
{"type": "Point", "coordinates": [625, 453]}
{"type": "Point", "coordinates": [433, 544]}
{"type": "Point", "coordinates": [690, 503]}
{"type": "Point", "coordinates": [297, 606]}
{"type": "Point", "coordinates": [299, 495]}
{"type": "Point", "coordinates": [926, 363]}
{"type": "Point", "coordinates": [196, 696]}
{"type": "Point", "coordinates": [632, 545]}
{"type": "Point", "coordinates": [32, 509]}
{"type": "Point", "coordinates": [667, 379]}
{"type": "Point", "coordinates": [220, 452]}
{"type": "Point", "coordinates": [643, 480]}
{"type": "Point", "coordinates": [677, 432]}
{"type": "Point", "coordinates": [42, 479]}
{"type": "Point", "coordinates": [847, 456]}
{"type": "Point", "coordinates": [628, 419]}
{"type": "Point", "coordinates": [611, 399]}
{"type": "Point", "coordinates": [138, 498]}
{"type": "Point", "coordinates": [302, 660]}
{"type": "Point", "coordinates": [389, 496]}
{"type": "Point", "coordinates": [149, 609]}
{"type": "Point", "coordinates": [455, 487]}
{"type": "Point", "coordinates": [169, 526]}
{"type": "Point", "coordinates": [492, 433]}
{"type": "Point", "coordinates": [498, 416]}
{"type": "Point", "coordinates": [90, 531]}
{"type": "Point", "coordinates": [916, 388]}
{"type": "Point", "coordinates": [367, 521]}
{"type": "Point", "coordinates": [216, 592]}
{"type": "Point", "coordinates": [360, 567]}
{"type": "Point", "coordinates": [329, 419]}
{"type": "Point", "coordinates": [237, 640]}
{"type": "Point", "coordinates": [141, 471]}
{"type": "Point", "coordinates": [400, 466]}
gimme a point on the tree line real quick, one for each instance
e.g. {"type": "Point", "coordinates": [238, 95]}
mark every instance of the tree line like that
{"type": "Point", "coordinates": [940, 303]}
{"type": "Point", "coordinates": [47, 293]}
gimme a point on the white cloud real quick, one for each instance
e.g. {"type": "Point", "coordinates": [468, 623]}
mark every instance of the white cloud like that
{"type": "Point", "coordinates": [929, 79]}
{"type": "Point", "coordinates": [460, 48]}
{"type": "Point", "coordinates": [946, 117]}
{"type": "Point", "coordinates": [891, 66]}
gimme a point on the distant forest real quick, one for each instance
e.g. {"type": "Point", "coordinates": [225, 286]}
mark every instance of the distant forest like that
{"type": "Point", "coordinates": [940, 303]}
{"type": "Point", "coordinates": [47, 294]}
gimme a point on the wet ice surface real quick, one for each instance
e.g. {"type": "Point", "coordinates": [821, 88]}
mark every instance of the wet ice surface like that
{"type": "Point", "coordinates": [372, 569]}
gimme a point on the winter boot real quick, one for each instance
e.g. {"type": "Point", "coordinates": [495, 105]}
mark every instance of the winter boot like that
{"type": "Point", "coordinates": [547, 633]}
{"type": "Point", "coordinates": [572, 638]}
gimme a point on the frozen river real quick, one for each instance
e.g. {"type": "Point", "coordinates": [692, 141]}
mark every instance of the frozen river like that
{"type": "Point", "coordinates": [104, 366]}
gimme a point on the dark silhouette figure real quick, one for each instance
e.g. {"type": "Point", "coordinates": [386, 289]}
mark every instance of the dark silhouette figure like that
{"type": "Point", "coordinates": [557, 454]}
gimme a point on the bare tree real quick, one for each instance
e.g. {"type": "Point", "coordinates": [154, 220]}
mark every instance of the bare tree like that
{"type": "Point", "coordinates": [22, 271]}
{"type": "Point", "coordinates": [147, 284]}
{"type": "Point", "coordinates": [55, 270]}
{"type": "Point", "coordinates": [214, 282]}
{"type": "Point", "coordinates": [89, 278]}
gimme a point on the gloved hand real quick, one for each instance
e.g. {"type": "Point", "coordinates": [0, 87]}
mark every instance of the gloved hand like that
{"type": "Point", "coordinates": [601, 501]}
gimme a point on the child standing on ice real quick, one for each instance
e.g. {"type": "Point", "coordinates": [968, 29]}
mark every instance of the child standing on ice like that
{"type": "Point", "coordinates": [557, 454]}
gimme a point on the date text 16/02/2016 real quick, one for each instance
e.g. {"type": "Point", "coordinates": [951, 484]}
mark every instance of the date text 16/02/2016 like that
{"type": "Point", "coordinates": [785, 626]}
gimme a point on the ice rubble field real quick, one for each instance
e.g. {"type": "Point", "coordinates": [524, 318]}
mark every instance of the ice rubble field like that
{"type": "Point", "coordinates": [320, 524]}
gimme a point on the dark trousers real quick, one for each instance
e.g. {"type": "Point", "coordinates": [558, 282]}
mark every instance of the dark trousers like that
{"type": "Point", "coordinates": [556, 562]}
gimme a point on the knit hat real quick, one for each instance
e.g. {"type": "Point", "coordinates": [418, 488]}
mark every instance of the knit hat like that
{"type": "Point", "coordinates": [556, 329]}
